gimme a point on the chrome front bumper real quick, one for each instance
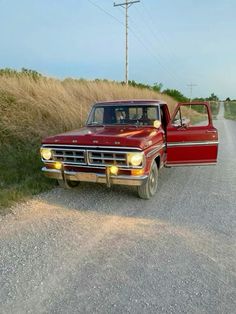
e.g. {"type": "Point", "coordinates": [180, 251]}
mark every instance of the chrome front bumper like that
{"type": "Point", "coordinates": [94, 177]}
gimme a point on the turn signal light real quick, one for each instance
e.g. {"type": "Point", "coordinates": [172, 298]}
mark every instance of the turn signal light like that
{"type": "Point", "coordinates": [137, 172]}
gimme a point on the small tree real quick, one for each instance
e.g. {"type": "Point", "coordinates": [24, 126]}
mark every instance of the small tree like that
{"type": "Point", "coordinates": [175, 94]}
{"type": "Point", "coordinates": [213, 97]}
{"type": "Point", "coordinates": [157, 87]}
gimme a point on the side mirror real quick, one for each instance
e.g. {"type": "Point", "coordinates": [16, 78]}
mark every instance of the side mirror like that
{"type": "Point", "coordinates": [157, 124]}
{"type": "Point", "coordinates": [185, 122]}
{"type": "Point", "coordinates": [177, 123]}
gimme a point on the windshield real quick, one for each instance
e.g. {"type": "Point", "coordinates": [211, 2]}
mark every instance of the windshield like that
{"type": "Point", "coordinates": [123, 114]}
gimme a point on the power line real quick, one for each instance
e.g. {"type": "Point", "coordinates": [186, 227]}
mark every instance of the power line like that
{"type": "Point", "coordinates": [126, 5]}
{"type": "Point", "coordinates": [150, 52]}
{"type": "Point", "coordinates": [107, 13]}
{"type": "Point", "coordinates": [174, 74]}
{"type": "Point", "coordinates": [149, 47]}
{"type": "Point", "coordinates": [154, 54]}
{"type": "Point", "coordinates": [160, 34]}
{"type": "Point", "coordinates": [137, 38]}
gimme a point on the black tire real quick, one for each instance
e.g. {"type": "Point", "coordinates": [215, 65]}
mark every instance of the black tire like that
{"type": "Point", "coordinates": [69, 185]}
{"type": "Point", "coordinates": [147, 190]}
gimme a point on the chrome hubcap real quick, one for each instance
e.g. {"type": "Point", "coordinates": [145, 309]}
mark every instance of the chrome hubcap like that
{"type": "Point", "coordinates": [152, 182]}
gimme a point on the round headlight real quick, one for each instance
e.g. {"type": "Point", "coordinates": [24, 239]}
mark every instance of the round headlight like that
{"type": "Point", "coordinates": [46, 153]}
{"type": "Point", "coordinates": [136, 159]}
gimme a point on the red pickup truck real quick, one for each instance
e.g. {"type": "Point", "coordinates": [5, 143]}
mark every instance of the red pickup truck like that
{"type": "Point", "coordinates": [128, 142]}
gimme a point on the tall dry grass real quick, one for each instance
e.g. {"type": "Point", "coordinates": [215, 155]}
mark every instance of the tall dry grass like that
{"type": "Point", "coordinates": [32, 109]}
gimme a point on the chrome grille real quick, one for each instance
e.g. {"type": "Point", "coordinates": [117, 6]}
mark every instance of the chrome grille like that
{"type": "Point", "coordinates": [70, 156]}
{"type": "Point", "coordinates": [96, 158]}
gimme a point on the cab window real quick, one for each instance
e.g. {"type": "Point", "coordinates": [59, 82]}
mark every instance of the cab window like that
{"type": "Point", "coordinates": [191, 116]}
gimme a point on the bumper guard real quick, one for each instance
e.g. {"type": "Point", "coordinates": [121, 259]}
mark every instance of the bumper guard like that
{"type": "Point", "coordinates": [107, 178]}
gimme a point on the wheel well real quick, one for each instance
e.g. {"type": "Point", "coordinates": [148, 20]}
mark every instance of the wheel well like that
{"type": "Point", "coordinates": [158, 161]}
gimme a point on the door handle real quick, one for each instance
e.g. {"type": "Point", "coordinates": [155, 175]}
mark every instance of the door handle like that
{"type": "Point", "coordinates": [211, 131]}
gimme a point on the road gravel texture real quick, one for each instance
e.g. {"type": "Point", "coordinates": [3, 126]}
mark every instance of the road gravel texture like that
{"type": "Point", "coordinates": [95, 250]}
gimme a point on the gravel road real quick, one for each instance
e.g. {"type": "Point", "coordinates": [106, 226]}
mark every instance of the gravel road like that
{"type": "Point", "coordinates": [95, 250]}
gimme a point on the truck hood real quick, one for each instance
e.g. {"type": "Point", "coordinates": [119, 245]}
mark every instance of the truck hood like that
{"type": "Point", "coordinates": [128, 136]}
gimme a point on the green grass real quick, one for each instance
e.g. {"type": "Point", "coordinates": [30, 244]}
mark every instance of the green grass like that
{"type": "Point", "coordinates": [230, 110]}
{"type": "Point", "coordinates": [20, 174]}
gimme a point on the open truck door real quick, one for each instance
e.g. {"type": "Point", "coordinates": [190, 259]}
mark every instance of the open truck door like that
{"type": "Point", "coordinates": [191, 136]}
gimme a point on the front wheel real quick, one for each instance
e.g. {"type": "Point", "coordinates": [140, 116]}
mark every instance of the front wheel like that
{"type": "Point", "coordinates": [147, 190]}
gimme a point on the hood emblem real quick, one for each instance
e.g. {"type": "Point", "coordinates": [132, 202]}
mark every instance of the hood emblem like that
{"type": "Point", "coordinates": [74, 141]}
{"type": "Point", "coordinates": [117, 143]}
{"type": "Point", "coordinates": [56, 140]}
{"type": "Point", "coordinates": [95, 141]}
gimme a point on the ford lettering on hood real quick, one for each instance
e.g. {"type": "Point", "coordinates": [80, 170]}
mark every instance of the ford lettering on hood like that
{"type": "Point", "coordinates": [135, 136]}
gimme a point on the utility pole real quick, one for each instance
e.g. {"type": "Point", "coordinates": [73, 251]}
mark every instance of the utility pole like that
{"type": "Point", "coordinates": [126, 5]}
{"type": "Point", "coordinates": [191, 90]}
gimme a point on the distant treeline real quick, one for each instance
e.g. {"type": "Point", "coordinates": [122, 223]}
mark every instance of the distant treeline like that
{"type": "Point", "coordinates": [23, 72]}
{"type": "Point", "coordinates": [172, 92]}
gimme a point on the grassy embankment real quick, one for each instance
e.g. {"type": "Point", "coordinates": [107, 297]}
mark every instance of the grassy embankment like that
{"type": "Point", "coordinates": [32, 108]}
{"type": "Point", "coordinates": [230, 110]}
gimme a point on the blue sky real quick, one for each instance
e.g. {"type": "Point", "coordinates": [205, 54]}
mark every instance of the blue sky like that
{"type": "Point", "coordinates": [173, 42]}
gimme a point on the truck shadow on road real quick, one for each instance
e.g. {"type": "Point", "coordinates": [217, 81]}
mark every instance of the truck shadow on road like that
{"type": "Point", "coordinates": [117, 199]}
{"type": "Point", "coordinates": [177, 195]}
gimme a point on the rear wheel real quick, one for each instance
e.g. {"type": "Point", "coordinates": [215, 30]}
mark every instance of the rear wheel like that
{"type": "Point", "coordinates": [147, 190]}
{"type": "Point", "coordinates": [68, 184]}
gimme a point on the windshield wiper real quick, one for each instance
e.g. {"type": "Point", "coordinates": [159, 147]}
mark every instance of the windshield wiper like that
{"type": "Point", "coordinates": [95, 124]}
